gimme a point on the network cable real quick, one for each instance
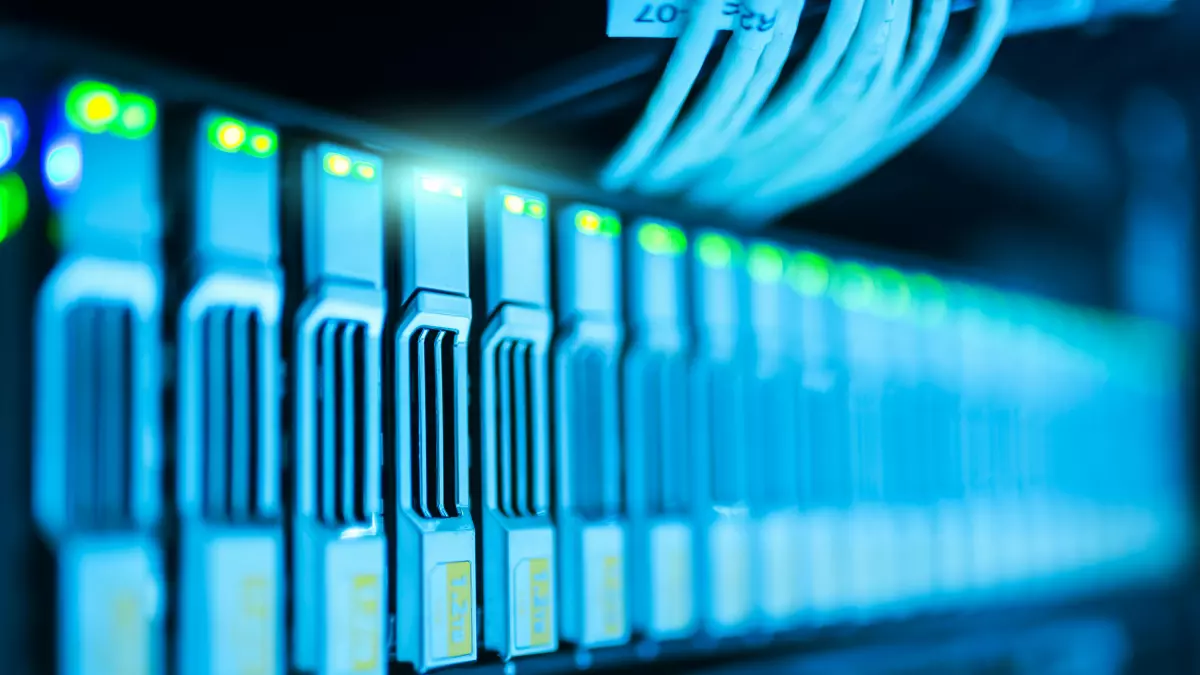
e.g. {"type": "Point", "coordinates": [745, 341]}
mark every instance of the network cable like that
{"type": "Point", "coordinates": [744, 65]}
{"type": "Point", "coordinates": [854, 59]}
{"type": "Point", "coordinates": [866, 75]}
{"type": "Point", "coordinates": [796, 188]}
{"type": "Point", "coordinates": [665, 104]}
{"type": "Point", "coordinates": [858, 133]}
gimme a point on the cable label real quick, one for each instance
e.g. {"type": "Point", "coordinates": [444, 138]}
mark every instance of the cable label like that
{"type": "Point", "coordinates": [667, 18]}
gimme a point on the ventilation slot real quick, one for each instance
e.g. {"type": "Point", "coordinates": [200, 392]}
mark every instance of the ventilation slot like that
{"type": "Point", "coordinates": [775, 432]}
{"type": "Point", "coordinates": [726, 424]}
{"type": "Point", "coordinates": [341, 438]}
{"type": "Point", "coordinates": [595, 466]}
{"type": "Point", "coordinates": [231, 425]}
{"type": "Point", "coordinates": [99, 415]}
{"type": "Point", "coordinates": [516, 451]}
{"type": "Point", "coordinates": [435, 424]}
{"type": "Point", "coordinates": [826, 462]}
{"type": "Point", "coordinates": [667, 461]}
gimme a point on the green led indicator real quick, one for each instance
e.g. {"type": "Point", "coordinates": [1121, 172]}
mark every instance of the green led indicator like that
{"type": "Point", "coordinates": [657, 239]}
{"type": "Point", "coordinates": [717, 250]}
{"type": "Point", "coordinates": [894, 298]}
{"type": "Point", "coordinates": [138, 116]}
{"type": "Point", "coordinates": [929, 297]}
{"type": "Point", "coordinates": [263, 142]}
{"type": "Point", "coordinates": [765, 263]}
{"type": "Point", "coordinates": [853, 287]}
{"type": "Point", "coordinates": [227, 134]}
{"type": "Point", "coordinates": [92, 106]}
{"type": "Point", "coordinates": [95, 107]}
{"type": "Point", "coordinates": [610, 226]}
{"type": "Point", "coordinates": [364, 171]}
{"type": "Point", "coordinates": [535, 209]}
{"type": "Point", "coordinates": [14, 204]}
{"type": "Point", "coordinates": [590, 222]}
{"type": "Point", "coordinates": [810, 273]}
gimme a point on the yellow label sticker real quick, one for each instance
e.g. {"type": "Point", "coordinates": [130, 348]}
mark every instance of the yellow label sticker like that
{"type": "Point", "coordinates": [364, 628]}
{"type": "Point", "coordinates": [460, 635]}
{"type": "Point", "coordinates": [130, 646]}
{"type": "Point", "coordinates": [257, 636]}
{"type": "Point", "coordinates": [614, 596]}
{"type": "Point", "coordinates": [540, 602]}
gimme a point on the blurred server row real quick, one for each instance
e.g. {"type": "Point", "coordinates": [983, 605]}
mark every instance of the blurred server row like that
{"type": "Point", "coordinates": [404, 423]}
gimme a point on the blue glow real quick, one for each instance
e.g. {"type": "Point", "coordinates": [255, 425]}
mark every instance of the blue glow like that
{"type": "Point", "coordinates": [14, 132]}
{"type": "Point", "coordinates": [63, 165]}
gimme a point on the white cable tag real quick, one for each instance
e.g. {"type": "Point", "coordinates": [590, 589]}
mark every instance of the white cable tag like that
{"type": "Point", "coordinates": [667, 18]}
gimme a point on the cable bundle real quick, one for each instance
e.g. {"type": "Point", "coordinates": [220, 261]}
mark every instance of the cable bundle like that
{"type": "Point", "coordinates": [870, 86]}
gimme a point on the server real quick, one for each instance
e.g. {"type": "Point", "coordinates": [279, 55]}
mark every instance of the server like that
{"type": "Point", "coordinates": [774, 435]}
{"type": "Point", "coordinates": [231, 583]}
{"type": "Point", "coordinates": [720, 401]}
{"type": "Point", "coordinates": [432, 537]}
{"type": "Point", "coordinates": [519, 556]}
{"type": "Point", "coordinates": [940, 354]}
{"type": "Point", "coordinates": [869, 523]}
{"type": "Point", "coordinates": [654, 403]}
{"type": "Point", "coordinates": [824, 457]}
{"type": "Point", "coordinates": [337, 547]}
{"type": "Point", "coordinates": [589, 507]}
{"type": "Point", "coordinates": [905, 415]}
{"type": "Point", "coordinates": [97, 435]}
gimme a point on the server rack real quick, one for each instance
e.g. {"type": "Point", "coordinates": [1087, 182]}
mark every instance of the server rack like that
{"type": "Point", "coordinates": [1144, 378]}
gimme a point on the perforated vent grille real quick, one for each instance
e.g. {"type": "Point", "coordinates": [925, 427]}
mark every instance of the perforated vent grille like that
{"type": "Point", "coordinates": [731, 456]}
{"type": "Point", "coordinates": [232, 422]}
{"type": "Point", "coordinates": [595, 458]}
{"type": "Point", "coordinates": [99, 416]}
{"type": "Point", "coordinates": [667, 461]}
{"type": "Point", "coordinates": [517, 456]}
{"type": "Point", "coordinates": [342, 460]}
{"type": "Point", "coordinates": [435, 425]}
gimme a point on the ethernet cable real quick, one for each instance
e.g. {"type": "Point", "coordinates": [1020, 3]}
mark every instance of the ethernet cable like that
{"type": "Point", "coordinates": [751, 66]}
{"type": "Point", "coordinates": [794, 189]}
{"type": "Point", "coordinates": [839, 95]}
{"type": "Point", "coordinates": [793, 98]}
{"type": "Point", "coordinates": [669, 96]}
{"type": "Point", "coordinates": [873, 120]}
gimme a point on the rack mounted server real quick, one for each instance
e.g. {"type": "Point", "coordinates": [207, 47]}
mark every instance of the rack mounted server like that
{"type": "Point", "coordinates": [432, 419]}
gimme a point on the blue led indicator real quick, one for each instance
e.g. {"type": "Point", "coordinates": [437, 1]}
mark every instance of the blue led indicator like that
{"type": "Point", "coordinates": [14, 131]}
{"type": "Point", "coordinates": [64, 163]}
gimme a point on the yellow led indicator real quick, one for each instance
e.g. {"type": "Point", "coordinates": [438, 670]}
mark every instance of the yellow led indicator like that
{"type": "Point", "coordinates": [365, 639]}
{"type": "Point", "coordinates": [459, 633]}
{"type": "Point", "coordinates": [455, 191]}
{"type": "Point", "coordinates": [514, 204]}
{"type": "Point", "coordinates": [541, 605]}
{"type": "Point", "coordinates": [255, 633]}
{"type": "Point", "coordinates": [130, 648]}
{"type": "Point", "coordinates": [337, 164]}
{"type": "Point", "coordinates": [614, 596]}
{"type": "Point", "coordinates": [99, 107]}
{"type": "Point", "coordinates": [231, 135]}
{"type": "Point", "coordinates": [587, 222]}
